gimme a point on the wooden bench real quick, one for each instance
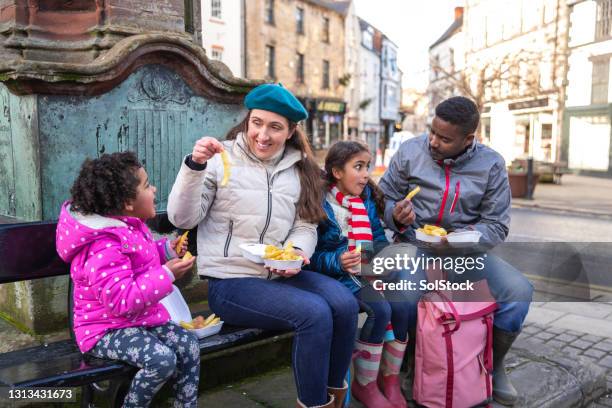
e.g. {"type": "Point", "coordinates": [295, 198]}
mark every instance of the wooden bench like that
{"type": "Point", "coordinates": [28, 252]}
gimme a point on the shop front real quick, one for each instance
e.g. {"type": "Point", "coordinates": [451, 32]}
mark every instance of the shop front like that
{"type": "Point", "coordinates": [325, 121]}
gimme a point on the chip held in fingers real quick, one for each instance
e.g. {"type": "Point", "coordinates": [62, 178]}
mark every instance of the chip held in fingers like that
{"type": "Point", "coordinates": [414, 192]}
{"type": "Point", "coordinates": [226, 168]}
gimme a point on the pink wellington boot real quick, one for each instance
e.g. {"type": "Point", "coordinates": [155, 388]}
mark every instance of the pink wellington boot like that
{"type": "Point", "coordinates": [364, 387]}
{"type": "Point", "coordinates": [388, 377]}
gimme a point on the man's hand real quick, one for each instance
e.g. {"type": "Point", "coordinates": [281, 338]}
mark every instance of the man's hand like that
{"type": "Point", "coordinates": [403, 213]}
{"type": "Point", "coordinates": [205, 148]}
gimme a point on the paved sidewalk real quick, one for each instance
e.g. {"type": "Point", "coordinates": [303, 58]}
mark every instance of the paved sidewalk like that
{"type": "Point", "coordinates": [588, 195]}
{"type": "Point", "coordinates": [555, 335]}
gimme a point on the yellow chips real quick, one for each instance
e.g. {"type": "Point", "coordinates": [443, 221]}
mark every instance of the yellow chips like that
{"type": "Point", "coordinates": [279, 254]}
{"type": "Point", "coordinates": [179, 243]}
{"type": "Point", "coordinates": [433, 230]}
{"type": "Point", "coordinates": [226, 168]}
{"type": "Point", "coordinates": [414, 192]}
{"type": "Point", "coordinates": [187, 256]}
{"type": "Point", "coordinates": [200, 323]}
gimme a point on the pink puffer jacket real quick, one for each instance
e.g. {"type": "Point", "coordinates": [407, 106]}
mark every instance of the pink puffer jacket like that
{"type": "Point", "coordinates": [117, 271]}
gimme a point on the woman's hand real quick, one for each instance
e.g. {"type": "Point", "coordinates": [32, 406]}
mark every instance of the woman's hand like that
{"type": "Point", "coordinates": [287, 273]}
{"type": "Point", "coordinates": [180, 251]}
{"type": "Point", "coordinates": [350, 262]}
{"type": "Point", "coordinates": [205, 148]}
{"type": "Point", "coordinates": [178, 267]}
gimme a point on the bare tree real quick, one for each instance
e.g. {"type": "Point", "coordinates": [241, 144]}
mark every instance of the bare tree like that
{"type": "Point", "coordinates": [512, 76]}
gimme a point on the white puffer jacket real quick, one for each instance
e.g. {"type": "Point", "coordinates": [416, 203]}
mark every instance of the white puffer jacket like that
{"type": "Point", "coordinates": [256, 206]}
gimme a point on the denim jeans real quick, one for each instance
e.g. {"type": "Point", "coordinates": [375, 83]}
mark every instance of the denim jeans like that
{"type": "Point", "coordinates": [321, 311]}
{"type": "Point", "coordinates": [512, 291]}
{"type": "Point", "coordinates": [392, 307]}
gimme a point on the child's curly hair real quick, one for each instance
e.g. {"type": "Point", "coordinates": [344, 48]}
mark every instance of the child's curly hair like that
{"type": "Point", "coordinates": [106, 184]}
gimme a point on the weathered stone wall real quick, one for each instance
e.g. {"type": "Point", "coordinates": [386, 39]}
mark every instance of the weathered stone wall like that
{"type": "Point", "coordinates": [284, 37]}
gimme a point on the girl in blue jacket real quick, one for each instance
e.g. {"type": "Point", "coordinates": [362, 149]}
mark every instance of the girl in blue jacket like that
{"type": "Point", "coordinates": [354, 205]}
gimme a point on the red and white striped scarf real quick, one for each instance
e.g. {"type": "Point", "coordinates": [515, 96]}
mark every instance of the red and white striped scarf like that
{"type": "Point", "coordinates": [359, 223]}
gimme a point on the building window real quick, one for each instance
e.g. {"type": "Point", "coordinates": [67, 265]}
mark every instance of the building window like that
{"type": "Point", "coordinates": [325, 36]}
{"type": "Point", "coordinates": [299, 72]}
{"type": "Point", "coordinates": [217, 53]}
{"type": "Point", "coordinates": [599, 84]}
{"type": "Point", "coordinates": [602, 26]}
{"type": "Point", "coordinates": [270, 57]}
{"type": "Point", "coordinates": [299, 20]}
{"type": "Point", "coordinates": [215, 9]}
{"type": "Point", "coordinates": [325, 74]}
{"type": "Point", "coordinates": [269, 12]}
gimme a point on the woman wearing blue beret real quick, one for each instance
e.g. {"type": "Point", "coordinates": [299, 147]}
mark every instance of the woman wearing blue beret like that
{"type": "Point", "coordinates": [273, 196]}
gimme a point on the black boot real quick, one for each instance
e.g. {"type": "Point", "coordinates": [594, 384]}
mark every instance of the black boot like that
{"type": "Point", "coordinates": [408, 365]}
{"type": "Point", "coordinates": [503, 390]}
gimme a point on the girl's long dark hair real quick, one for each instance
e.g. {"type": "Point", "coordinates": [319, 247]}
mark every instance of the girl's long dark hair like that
{"type": "Point", "coordinates": [309, 205]}
{"type": "Point", "coordinates": [340, 154]}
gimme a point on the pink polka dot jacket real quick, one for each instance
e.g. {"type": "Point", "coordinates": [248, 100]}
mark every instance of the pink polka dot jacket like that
{"type": "Point", "coordinates": [117, 271]}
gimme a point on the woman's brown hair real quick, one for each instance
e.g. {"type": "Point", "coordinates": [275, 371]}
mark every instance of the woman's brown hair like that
{"type": "Point", "coordinates": [337, 157]}
{"type": "Point", "coordinates": [309, 206]}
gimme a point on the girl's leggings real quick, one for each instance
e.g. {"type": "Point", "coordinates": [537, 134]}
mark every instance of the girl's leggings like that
{"type": "Point", "coordinates": [162, 353]}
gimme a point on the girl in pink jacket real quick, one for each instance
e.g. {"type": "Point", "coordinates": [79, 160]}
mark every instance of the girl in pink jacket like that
{"type": "Point", "coordinates": [120, 274]}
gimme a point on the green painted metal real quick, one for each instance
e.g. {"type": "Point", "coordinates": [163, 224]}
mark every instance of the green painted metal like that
{"type": "Point", "coordinates": [19, 159]}
{"type": "Point", "coordinates": [153, 113]}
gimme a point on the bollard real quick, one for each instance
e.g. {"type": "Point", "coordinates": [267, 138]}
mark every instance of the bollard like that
{"type": "Point", "coordinates": [530, 178]}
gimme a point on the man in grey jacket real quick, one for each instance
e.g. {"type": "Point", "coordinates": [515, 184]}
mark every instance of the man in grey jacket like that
{"type": "Point", "coordinates": [463, 186]}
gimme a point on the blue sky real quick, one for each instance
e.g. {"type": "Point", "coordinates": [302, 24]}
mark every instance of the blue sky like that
{"type": "Point", "coordinates": [413, 25]}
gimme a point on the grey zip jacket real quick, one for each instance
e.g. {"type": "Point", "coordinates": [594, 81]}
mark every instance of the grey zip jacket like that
{"type": "Point", "coordinates": [469, 192]}
{"type": "Point", "coordinates": [258, 205]}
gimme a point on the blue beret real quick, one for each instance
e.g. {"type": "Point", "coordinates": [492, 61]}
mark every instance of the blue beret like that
{"type": "Point", "coordinates": [275, 98]}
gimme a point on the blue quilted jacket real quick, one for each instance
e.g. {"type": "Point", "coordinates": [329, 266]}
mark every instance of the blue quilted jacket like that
{"type": "Point", "coordinates": [331, 244]}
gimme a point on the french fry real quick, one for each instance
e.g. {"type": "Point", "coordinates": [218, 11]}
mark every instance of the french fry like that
{"type": "Point", "coordinates": [209, 319]}
{"type": "Point", "coordinates": [433, 230]}
{"type": "Point", "coordinates": [186, 325]}
{"type": "Point", "coordinates": [279, 254]}
{"type": "Point", "coordinates": [414, 192]}
{"type": "Point", "coordinates": [226, 168]}
{"type": "Point", "coordinates": [179, 243]}
{"type": "Point", "coordinates": [214, 321]}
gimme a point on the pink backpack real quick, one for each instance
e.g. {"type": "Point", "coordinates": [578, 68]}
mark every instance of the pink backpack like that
{"type": "Point", "coordinates": [454, 351]}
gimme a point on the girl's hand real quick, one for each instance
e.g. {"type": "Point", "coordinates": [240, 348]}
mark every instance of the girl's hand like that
{"type": "Point", "coordinates": [350, 262]}
{"type": "Point", "coordinates": [180, 251]}
{"type": "Point", "coordinates": [205, 148]}
{"type": "Point", "coordinates": [178, 267]}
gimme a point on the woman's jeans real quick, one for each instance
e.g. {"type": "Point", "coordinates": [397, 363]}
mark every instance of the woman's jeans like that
{"type": "Point", "coordinates": [320, 310]}
{"type": "Point", "coordinates": [512, 291]}
{"type": "Point", "coordinates": [392, 307]}
{"type": "Point", "coordinates": [166, 352]}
